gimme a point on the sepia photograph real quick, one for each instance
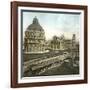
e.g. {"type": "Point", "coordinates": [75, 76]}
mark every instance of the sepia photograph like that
{"type": "Point", "coordinates": [50, 43]}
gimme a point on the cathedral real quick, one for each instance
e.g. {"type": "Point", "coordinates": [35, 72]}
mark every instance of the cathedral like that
{"type": "Point", "coordinates": [34, 40]}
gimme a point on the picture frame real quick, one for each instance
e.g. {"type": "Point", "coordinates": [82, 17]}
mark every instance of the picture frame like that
{"type": "Point", "coordinates": [49, 11]}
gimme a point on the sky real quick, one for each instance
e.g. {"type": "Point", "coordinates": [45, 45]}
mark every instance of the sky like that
{"type": "Point", "coordinates": [55, 24]}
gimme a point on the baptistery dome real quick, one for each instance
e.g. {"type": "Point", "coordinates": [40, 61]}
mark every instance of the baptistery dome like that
{"type": "Point", "coordinates": [35, 25]}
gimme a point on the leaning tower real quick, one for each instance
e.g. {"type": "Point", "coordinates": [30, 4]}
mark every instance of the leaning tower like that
{"type": "Point", "coordinates": [74, 41]}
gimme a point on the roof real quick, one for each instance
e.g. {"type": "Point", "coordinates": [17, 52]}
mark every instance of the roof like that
{"type": "Point", "coordinates": [35, 25]}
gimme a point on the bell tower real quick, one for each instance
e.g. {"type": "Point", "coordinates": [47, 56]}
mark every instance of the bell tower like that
{"type": "Point", "coordinates": [73, 41]}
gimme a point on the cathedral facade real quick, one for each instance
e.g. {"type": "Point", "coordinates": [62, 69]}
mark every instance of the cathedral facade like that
{"type": "Point", "coordinates": [61, 43]}
{"type": "Point", "coordinates": [34, 40]}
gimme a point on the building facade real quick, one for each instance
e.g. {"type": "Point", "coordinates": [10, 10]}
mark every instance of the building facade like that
{"type": "Point", "coordinates": [34, 40]}
{"type": "Point", "coordinates": [60, 43]}
{"type": "Point", "coordinates": [57, 43]}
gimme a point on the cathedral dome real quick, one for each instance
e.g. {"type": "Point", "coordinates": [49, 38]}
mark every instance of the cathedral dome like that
{"type": "Point", "coordinates": [35, 25]}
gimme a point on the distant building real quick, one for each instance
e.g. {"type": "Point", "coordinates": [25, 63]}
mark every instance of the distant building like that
{"type": "Point", "coordinates": [70, 43]}
{"type": "Point", "coordinates": [67, 44]}
{"type": "Point", "coordinates": [34, 40]}
{"type": "Point", "coordinates": [60, 43]}
{"type": "Point", "coordinates": [56, 43]}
